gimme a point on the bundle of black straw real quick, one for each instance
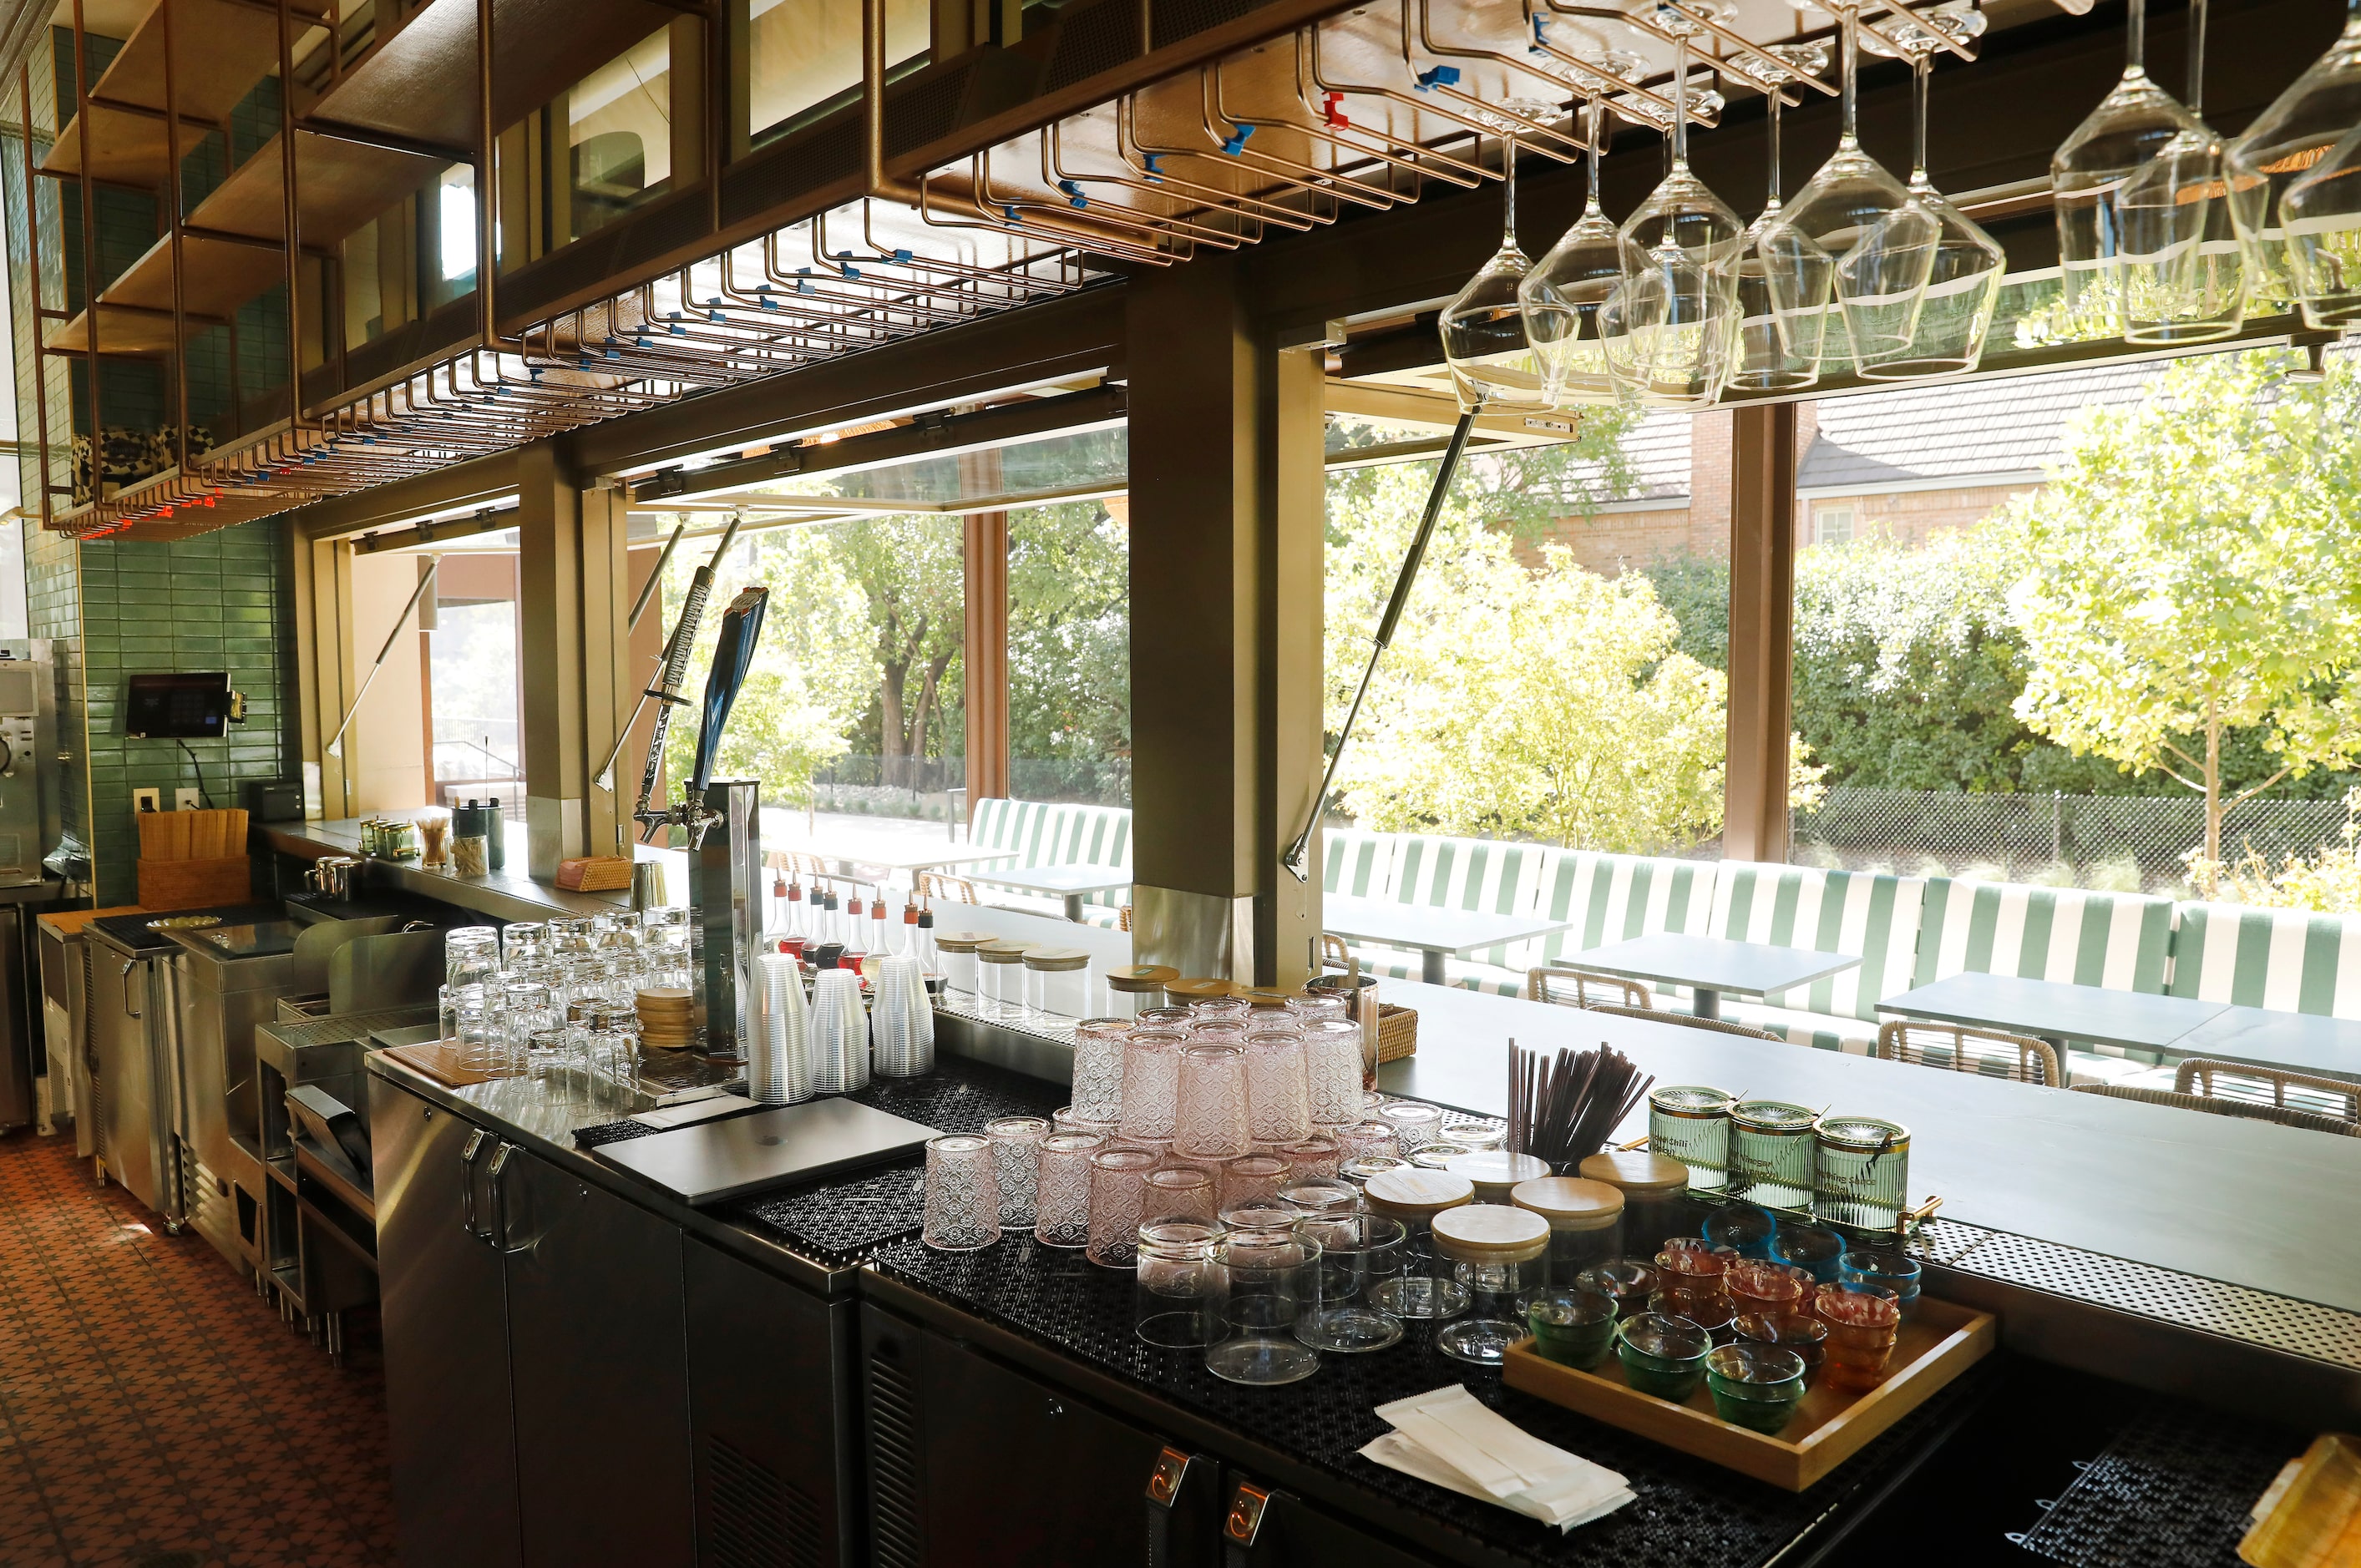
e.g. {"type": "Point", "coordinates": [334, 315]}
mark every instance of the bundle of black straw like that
{"type": "Point", "coordinates": [1561, 1111]}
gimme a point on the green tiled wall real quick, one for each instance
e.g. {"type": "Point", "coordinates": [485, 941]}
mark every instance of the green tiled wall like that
{"type": "Point", "coordinates": [220, 601]}
{"type": "Point", "coordinates": [53, 609]}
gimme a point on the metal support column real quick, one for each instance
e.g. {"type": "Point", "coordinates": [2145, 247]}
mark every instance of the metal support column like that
{"type": "Point", "coordinates": [573, 592]}
{"type": "Point", "coordinates": [1225, 539]}
{"type": "Point", "coordinates": [1762, 631]}
{"type": "Point", "coordinates": [984, 657]}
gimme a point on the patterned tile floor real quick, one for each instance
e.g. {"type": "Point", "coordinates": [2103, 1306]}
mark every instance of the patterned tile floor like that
{"type": "Point", "coordinates": [154, 1411]}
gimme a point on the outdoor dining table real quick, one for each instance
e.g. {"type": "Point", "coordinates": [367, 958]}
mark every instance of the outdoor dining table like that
{"type": "Point", "coordinates": [1437, 934]}
{"type": "Point", "coordinates": [2057, 1011]}
{"type": "Point", "coordinates": [1711, 965]}
{"type": "Point", "coordinates": [1071, 883]}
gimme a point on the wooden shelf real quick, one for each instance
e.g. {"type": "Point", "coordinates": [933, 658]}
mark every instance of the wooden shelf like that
{"type": "Point", "coordinates": [220, 49]}
{"type": "Point", "coordinates": [220, 276]}
{"type": "Point", "coordinates": [341, 184]}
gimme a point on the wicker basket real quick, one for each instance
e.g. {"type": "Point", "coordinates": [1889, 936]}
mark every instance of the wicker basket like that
{"type": "Point", "coordinates": [1397, 1032]}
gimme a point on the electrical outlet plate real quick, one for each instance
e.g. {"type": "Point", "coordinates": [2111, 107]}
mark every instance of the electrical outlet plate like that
{"type": "Point", "coordinates": [145, 800]}
{"type": "Point", "coordinates": [185, 800]}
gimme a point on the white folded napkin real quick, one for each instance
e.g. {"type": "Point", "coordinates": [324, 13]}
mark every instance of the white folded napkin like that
{"type": "Point", "coordinates": [1451, 1439]}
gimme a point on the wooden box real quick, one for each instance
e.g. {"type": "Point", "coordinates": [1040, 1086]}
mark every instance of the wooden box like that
{"type": "Point", "coordinates": [194, 884]}
{"type": "Point", "coordinates": [1940, 1342]}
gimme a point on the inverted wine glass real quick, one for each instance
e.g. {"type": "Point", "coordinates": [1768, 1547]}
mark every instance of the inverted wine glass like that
{"type": "Point", "coordinates": [1562, 294]}
{"type": "Point", "coordinates": [2179, 271]}
{"type": "Point", "coordinates": [2133, 126]}
{"type": "Point", "coordinates": [1773, 355]}
{"type": "Point", "coordinates": [2305, 249]}
{"type": "Point", "coordinates": [1681, 249]}
{"type": "Point", "coordinates": [1963, 285]}
{"type": "Point", "coordinates": [1493, 364]}
{"type": "Point", "coordinates": [1880, 238]}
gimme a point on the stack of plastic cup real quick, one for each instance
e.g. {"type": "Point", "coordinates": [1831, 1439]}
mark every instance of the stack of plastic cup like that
{"type": "Point", "coordinates": [779, 1070]}
{"type": "Point", "coordinates": [902, 1021]}
{"type": "Point", "coordinates": [840, 1034]}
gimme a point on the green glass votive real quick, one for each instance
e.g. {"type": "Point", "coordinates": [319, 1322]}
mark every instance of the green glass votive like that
{"type": "Point", "coordinates": [1756, 1387]}
{"type": "Point", "coordinates": [1662, 1357]}
{"type": "Point", "coordinates": [1574, 1328]}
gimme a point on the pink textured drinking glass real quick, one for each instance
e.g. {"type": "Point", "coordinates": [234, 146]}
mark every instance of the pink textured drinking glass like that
{"type": "Point", "coordinates": [1062, 1213]}
{"type": "Point", "coordinates": [1253, 1177]}
{"type": "Point", "coordinates": [1221, 1009]}
{"type": "Point", "coordinates": [1279, 1096]}
{"type": "Point", "coordinates": [1152, 1081]}
{"type": "Point", "coordinates": [1331, 1066]}
{"type": "Point", "coordinates": [1365, 1139]}
{"type": "Point", "coordinates": [1098, 1068]}
{"type": "Point", "coordinates": [962, 1198]}
{"type": "Point", "coordinates": [1118, 1182]}
{"type": "Point", "coordinates": [1211, 1123]}
{"type": "Point", "coordinates": [1314, 1155]}
{"type": "Point", "coordinates": [1179, 1192]}
{"type": "Point", "coordinates": [1017, 1165]}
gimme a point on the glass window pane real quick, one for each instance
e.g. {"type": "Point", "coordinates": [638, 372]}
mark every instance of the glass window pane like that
{"type": "Point", "coordinates": [805, 53]}
{"type": "Point", "coordinates": [619, 133]}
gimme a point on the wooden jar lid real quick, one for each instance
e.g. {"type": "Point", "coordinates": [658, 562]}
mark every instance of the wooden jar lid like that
{"type": "Point", "coordinates": [1059, 959]}
{"type": "Point", "coordinates": [1414, 1193]}
{"type": "Point", "coordinates": [1570, 1202]}
{"type": "Point", "coordinates": [1003, 950]}
{"type": "Point", "coordinates": [1490, 1233]}
{"type": "Point", "coordinates": [959, 941]}
{"type": "Point", "coordinates": [1197, 990]}
{"type": "Point", "coordinates": [1137, 979]}
{"type": "Point", "coordinates": [1637, 1171]}
{"type": "Point", "coordinates": [1496, 1172]}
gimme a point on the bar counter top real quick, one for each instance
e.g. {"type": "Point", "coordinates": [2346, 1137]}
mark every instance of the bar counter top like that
{"type": "Point", "coordinates": [507, 894]}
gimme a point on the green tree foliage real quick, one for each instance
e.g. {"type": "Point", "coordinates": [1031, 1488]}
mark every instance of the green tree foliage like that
{"type": "Point", "coordinates": [912, 586]}
{"type": "Point", "coordinates": [812, 676]}
{"type": "Point", "coordinates": [2190, 571]}
{"type": "Point", "coordinates": [1070, 647]}
{"type": "Point", "coordinates": [1548, 704]}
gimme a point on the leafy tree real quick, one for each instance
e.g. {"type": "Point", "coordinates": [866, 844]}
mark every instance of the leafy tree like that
{"type": "Point", "coordinates": [909, 573]}
{"type": "Point", "coordinates": [2191, 571]}
{"type": "Point", "coordinates": [811, 676]}
{"type": "Point", "coordinates": [1514, 704]}
{"type": "Point", "coordinates": [1070, 645]}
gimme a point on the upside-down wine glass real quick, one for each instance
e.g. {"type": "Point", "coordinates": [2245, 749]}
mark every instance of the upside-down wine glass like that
{"type": "Point", "coordinates": [1493, 364]}
{"type": "Point", "coordinates": [1773, 355]}
{"type": "Point", "coordinates": [1859, 216]}
{"type": "Point", "coordinates": [2180, 274]}
{"type": "Point", "coordinates": [1964, 285]}
{"type": "Point", "coordinates": [2292, 178]}
{"type": "Point", "coordinates": [2133, 126]}
{"type": "Point", "coordinates": [1677, 301]}
{"type": "Point", "coordinates": [1562, 294]}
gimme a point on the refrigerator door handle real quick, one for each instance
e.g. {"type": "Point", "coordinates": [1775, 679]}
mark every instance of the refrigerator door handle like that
{"type": "Point", "coordinates": [475, 1141]}
{"type": "Point", "coordinates": [495, 1178]}
{"type": "Point", "coordinates": [129, 1011]}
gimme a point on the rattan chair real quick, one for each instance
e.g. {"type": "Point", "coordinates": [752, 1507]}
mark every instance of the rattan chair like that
{"type": "Point", "coordinates": [1335, 953]}
{"type": "Point", "coordinates": [951, 889]}
{"type": "Point", "coordinates": [2314, 1095]}
{"type": "Point", "coordinates": [1566, 986]}
{"type": "Point", "coordinates": [2020, 1059]}
{"type": "Point", "coordinates": [2285, 1117]}
{"type": "Point", "coordinates": [1689, 1020]}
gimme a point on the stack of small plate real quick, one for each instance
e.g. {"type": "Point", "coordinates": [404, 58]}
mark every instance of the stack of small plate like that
{"type": "Point", "coordinates": [667, 1018]}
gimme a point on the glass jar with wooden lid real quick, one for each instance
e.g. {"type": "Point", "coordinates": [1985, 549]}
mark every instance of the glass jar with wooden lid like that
{"type": "Point", "coordinates": [1058, 981]}
{"type": "Point", "coordinates": [1584, 1219]}
{"type": "Point", "coordinates": [1655, 1189]}
{"type": "Point", "coordinates": [958, 950]}
{"type": "Point", "coordinates": [1000, 969]}
{"type": "Point", "coordinates": [1427, 1287]}
{"type": "Point", "coordinates": [1497, 1173]}
{"type": "Point", "coordinates": [1497, 1254]}
{"type": "Point", "coordinates": [1189, 991]}
{"type": "Point", "coordinates": [1134, 989]}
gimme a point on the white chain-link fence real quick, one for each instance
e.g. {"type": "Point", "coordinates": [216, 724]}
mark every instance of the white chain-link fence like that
{"type": "Point", "coordinates": [2118, 842]}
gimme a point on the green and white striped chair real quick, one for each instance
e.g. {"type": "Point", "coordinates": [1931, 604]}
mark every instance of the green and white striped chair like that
{"type": "Point", "coordinates": [2119, 940]}
{"type": "Point", "coordinates": [1831, 912]}
{"type": "Point", "coordinates": [1608, 898]}
{"type": "Point", "coordinates": [1357, 864]}
{"type": "Point", "coordinates": [2289, 960]}
{"type": "Point", "coordinates": [1444, 872]}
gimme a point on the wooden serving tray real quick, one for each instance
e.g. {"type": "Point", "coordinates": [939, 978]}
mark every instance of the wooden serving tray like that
{"type": "Point", "coordinates": [1937, 1342]}
{"type": "Point", "coordinates": [440, 1060]}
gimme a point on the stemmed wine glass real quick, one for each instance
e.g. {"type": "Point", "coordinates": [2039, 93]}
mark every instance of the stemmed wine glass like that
{"type": "Point", "coordinates": [1964, 285]}
{"type": "Point", "coordinates": [2181, 279]}
{"type": "Point", "coordinates": [1678, 300]}
{"type": "Point", "coordinates": [2290, 176]}
{"type": "Point", "coordinates": [1562, 295]}
{"type": "Point", "coordinates": [2134, 127]}
{"type": "Point", "coordinates": [1855, 214]}
{"type": "Point", "coordinates": [1492, 361]}
{"type": "Point", "coordinates": [1773, 355]}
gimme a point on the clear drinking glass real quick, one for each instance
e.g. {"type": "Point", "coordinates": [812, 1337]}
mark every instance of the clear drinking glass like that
{"type": "Point", "coordinates": [1279, 1095]}
{"type": "Point", "coordinates": [1173, 1291]}
{"type": "Point", "coordinates": [2290, 178]}
{"type": "Point", "coordinates": [2181, 273]}
{"type": "Point", "coordinates": [1357, 1253]}
{"type": "Point", "coordinates": [1857, 225]}
{"type": "Point", "coordinates": [1253, 1177]}
{"type": "Point", "coordinates": [962, 1196]}
{"type": "Point", "coordinates": [1776, 354]}
{"type": "Point", "coordinates": [1062, 1188]}
{"type": "Point", "coordinates": [522, 940]}
{"type": "Point", "coordinates": [1098, 1068]}
{"type": "Point", "coordinates": [1332, 1063]}
{"type": "Point", "coordinates": [1415, 1125]}
{"type": "Point", "coordinates": [1314, 1155]}
{"type": "Point", "coordinates": [1151, 1082]}
{"type": "Point", "coordinates": [1259, 1285]}
{"type": "Point", "coordinates": [1562, 294]}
